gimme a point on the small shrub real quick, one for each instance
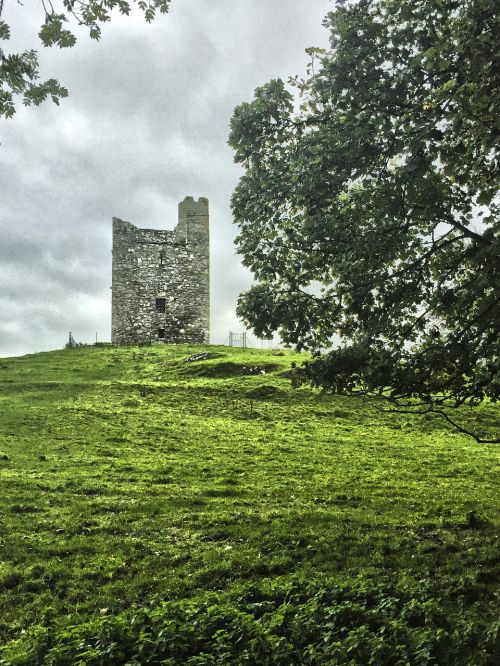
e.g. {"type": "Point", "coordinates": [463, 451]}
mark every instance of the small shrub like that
{"type": "Point", "coordinates": [475, 520]}
{"type": "Point", "coordinates": [263, 392]}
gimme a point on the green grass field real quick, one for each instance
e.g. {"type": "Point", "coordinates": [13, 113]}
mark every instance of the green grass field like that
{"type": "Point", "coordinates": [158, 511]}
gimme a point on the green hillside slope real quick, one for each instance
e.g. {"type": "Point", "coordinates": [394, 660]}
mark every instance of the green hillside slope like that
{"type": "Point", "coordinates": [164, 511]}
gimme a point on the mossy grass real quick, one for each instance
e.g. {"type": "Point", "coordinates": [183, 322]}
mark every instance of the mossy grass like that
{"type": "Point", "coordinates": [156, 510]}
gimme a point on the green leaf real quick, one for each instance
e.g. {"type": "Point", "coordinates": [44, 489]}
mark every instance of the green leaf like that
{"type": "Point", "coordinates": [4, 30]}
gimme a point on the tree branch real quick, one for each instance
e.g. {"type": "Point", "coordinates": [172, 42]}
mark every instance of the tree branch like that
{"type": "Point", "coordinates": [442, 413]}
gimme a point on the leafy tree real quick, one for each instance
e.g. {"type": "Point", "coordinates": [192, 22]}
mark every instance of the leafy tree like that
{"type": "Point", "coordinates": [19, 71]}
{"type": "Point", "coordinates": [371, 210]}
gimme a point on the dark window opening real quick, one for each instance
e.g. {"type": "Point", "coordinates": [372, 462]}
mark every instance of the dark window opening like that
{"type": "Point", "coordinates": [162, 258]}
{"type": "Point", "coordinates": [161, 333]}
{"type": "Point", "coordinates": [160, 304]}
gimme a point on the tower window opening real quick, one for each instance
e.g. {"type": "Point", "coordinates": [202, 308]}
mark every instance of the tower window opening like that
{"type": "Point", "coordinates": [160, 304]}
{"type": "Point", "coordinates": [161, 334]}
{"type": "Point", "coordinates": [162, 258]}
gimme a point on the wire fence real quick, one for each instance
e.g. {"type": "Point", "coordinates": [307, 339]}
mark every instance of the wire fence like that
{"type": "Point", "coordinates": [242, 340]}
{"type": "Point", "coordinates": [245, 340]}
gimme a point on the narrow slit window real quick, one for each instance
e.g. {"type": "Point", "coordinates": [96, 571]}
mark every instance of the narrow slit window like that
{"type": "Point", "coordinates": [162, 258]}
{"type": "Point", "coordinates": [160, 304]}
{"type": "Point", "coordinates": [161, 333]}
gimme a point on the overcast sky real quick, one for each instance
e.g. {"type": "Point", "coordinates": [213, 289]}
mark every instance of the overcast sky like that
{"type": "Point", "coordinates": [146, 124]}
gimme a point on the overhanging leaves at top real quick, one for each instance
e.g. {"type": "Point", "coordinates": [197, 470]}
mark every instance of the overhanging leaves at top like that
{"type": "Point", "coordinates": [19, 73]}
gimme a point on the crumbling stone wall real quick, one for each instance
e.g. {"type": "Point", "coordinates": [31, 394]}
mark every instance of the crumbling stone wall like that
{"type": "Point", "coordinates": [161, 288]}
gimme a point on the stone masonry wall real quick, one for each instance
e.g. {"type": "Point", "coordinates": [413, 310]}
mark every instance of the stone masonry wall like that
{"type": "Point", "coordinates": [150, 264]}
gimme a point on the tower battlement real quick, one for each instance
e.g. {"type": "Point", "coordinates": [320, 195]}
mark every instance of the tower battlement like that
{"type": "Point", "coordinates": [161, 280]}
{"type": "Point", "coordinates": [193, 206]}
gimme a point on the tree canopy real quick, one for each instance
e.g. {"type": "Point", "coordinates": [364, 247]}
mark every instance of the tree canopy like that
{"type": "Point", "coordinates": [19, 75]}
{"type": "Point", "coordinates": [369, 206]}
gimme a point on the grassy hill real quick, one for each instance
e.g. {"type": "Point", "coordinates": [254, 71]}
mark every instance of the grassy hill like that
{"type": "Point", "coordinates": [155, 510]}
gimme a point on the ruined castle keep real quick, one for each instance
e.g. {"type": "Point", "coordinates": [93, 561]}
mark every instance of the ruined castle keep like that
{"type": "Point", "coordinates": [161, 288]}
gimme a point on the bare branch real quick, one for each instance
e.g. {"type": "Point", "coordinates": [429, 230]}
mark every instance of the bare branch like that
{"type": "Point", "coordinates": [442, 413]}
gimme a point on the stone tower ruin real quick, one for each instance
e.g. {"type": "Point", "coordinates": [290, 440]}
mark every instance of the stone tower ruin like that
{"type": "Point", "coordinates": [161, 287]}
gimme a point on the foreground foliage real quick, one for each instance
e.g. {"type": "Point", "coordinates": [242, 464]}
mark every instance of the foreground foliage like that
{"type": "Point", "coordinates": [162, 511]}
{"type": "Point", "coordinates": [372, 211]}
{"type": "Point", "coordinates": [19, 73]}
